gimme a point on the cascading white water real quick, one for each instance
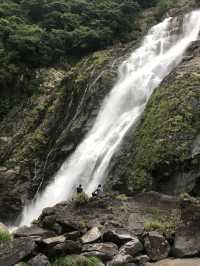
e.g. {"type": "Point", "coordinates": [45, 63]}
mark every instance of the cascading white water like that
{"type": "Point", "coordinates": [145, 69]}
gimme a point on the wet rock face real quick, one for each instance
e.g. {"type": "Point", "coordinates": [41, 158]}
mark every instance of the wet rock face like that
{"type": "Point", "coordinates": [10, 200]}
{"type": "Point", "coordinates": [163, 153]}
{"type": "Point", "coordinates": [38, 136]}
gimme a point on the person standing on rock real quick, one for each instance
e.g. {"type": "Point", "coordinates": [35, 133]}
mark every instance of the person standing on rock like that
{"type": "Point", "coordinates": [98, 191]}
{"type": "Point", "coordinates": [79, 189]}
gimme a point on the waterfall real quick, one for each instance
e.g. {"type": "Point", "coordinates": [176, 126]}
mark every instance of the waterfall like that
{"type": "Point", "coordinates": [161, 51]}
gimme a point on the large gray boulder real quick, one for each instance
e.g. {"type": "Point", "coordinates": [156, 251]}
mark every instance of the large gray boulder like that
{"type": "Point", "coordinates": [176, 262]}
{"type": "Point", "coordinates": [121, 260]}
{"type": "Point", "coordinates": [52, 241]}
{"type": "Point", "coordinates": [33, 231]}
{"type": "Point", "coordinates": [16, 251]}
{"type": "Point", "coordinates": [187, 241]}
{"type": "Point", "coordinates": [141, 260]}
{"type": "Point", "coordinates": [39, 260]}
{"type": "Point", "coordinates": [116, 237]}
{"type": "Point", "coordinates": [187, 236]}
{"type": "Point", "coordinates": [104, 251]}
{"type": "Point", "coordinates": [132, 247]}
{"type": "Point", "coordinates": [93, 235]}
{"type": "Point", "coordinates": [61, 248]}
{"type": "Point", "coordinates": [156, 246]}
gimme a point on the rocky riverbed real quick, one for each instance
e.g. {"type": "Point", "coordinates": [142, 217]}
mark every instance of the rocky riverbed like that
{"type": "Point", "coordinates": [148, 229]}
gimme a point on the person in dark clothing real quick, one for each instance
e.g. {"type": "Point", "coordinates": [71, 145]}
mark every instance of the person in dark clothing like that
{"type": "Point", "coordinates": [97, 192]}
{"type": "Point", "coordinates": [79, 189]}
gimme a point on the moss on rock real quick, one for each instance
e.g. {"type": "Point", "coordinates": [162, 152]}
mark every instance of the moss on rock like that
{"type": "Point", "coordinates": [164, 144]}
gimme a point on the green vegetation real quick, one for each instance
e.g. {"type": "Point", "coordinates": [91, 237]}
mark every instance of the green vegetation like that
{"type": "Point", "coordinates": [80, 199]}
{"type": "Point", "coordinates": [76, 261]}
{"type": "Point", "coordinates": [48, 33]}
{"type": "Point", "coordinates": [163, 6]}
{"type": "Point", "coordinates": [51, 33]}
{"type": "Point", "coordinates": [5, 237]}
{"type": "Point", "coordinates": [167, 130]}
{"type": "Point", "coordinates": [122, 197]}
{"type": "Point", "coordinates": [37, 33]}
{"type": "Point", "coordinates": [22, 264]}
{"type": "Point", "coordinates": [164, 223]}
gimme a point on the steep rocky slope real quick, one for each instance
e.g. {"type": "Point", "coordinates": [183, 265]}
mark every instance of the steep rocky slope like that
{"type": "Point", "coordinates": [164, 153]}
{"type": "Point", "coordinates": [38, 134]}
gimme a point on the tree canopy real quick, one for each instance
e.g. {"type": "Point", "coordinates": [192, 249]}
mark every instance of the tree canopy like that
{"type": "Point", "coordinates": [37, 33]}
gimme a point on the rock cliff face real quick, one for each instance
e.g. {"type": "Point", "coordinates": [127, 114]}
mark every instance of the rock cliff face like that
{"type": "Point", "coordinates": [164, 153]}
{"type": "Point", "coordinates": [41, 132]}
{"type": "Point", "coordinates": [38, 134]}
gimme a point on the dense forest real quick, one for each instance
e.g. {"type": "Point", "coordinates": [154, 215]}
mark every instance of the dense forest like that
{"type": "Point", "coordinates": [40, 33]}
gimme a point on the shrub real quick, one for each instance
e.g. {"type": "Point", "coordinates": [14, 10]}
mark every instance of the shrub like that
{"type": "Point", "coordinates": [163, 223]}
{"type": "Point", "coordinates": [122, 197]}
{"type": "Point", "coordinates": [76, 261]}
{"type": "Point", "coordinates": [80, 199]}
{"type": "Point", "coordinates": [163, 6]}
{"type": "Point", "coordinates": [156, 225]}
{"type": "Point", "coordinates": [40, 33]}
{"type": "Point", "coordinates": [5, 237]}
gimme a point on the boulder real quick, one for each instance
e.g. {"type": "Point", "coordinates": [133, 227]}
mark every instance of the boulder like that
{"type": "Point", "coordinates": [176, 262]}
{"type": "Point", "coordinates": [39, 260]}
{"type": "Point", "coordinates": [132, 248]}
{"type": "Point", "coordinates": [54, 219]}
{"type": "Point", "coordinates": [72, 235]}
{"type": "Point", "coordinates": [156, 246]}
{"type": "Point", "coordinates": [70, 225]}
{"type": "Point", "coordinates": [121, 260]}
{"type": "Point", "coordinates": [16, 251]}
{"type": "Point", "coordinates": [61, 249]}
{"type": "Point", "coordinates": [115, 237]}
{"type": "Point", "coordinates": [54, 240]}
{"type": "Point", "coordinates": [141, 260]}
{"type": "Point", "coordinates": [187, 241]}
{"type": "Point", "coordinates": [33, 231]}
{"type": "Point", "coordinates": [91, 236]}
{"type": "Point", "coordinates": [187, 236]}
{"type": "Point", "coordinates": [104, 251]}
